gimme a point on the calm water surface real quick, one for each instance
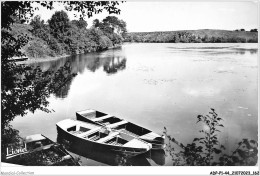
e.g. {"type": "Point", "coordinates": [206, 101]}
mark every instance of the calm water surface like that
{"type": "Point", "coordinates": [156, 86]}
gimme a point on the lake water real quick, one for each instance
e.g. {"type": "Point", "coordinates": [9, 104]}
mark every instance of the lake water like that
{"type": "Point", "coordinates": [156, 86]}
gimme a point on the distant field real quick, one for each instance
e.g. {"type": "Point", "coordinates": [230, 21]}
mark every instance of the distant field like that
{"type": "Point", "coordinates": [203, 35]}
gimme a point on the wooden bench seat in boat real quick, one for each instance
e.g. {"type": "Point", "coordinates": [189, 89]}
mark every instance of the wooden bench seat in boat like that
{"type": "Point", "coordinates": [150, 136]}
{"type": "Point", "coordinates": [110, 136]}
{"type": "Point", "coordinates": [102, 118]}
{"type": "Point", "coordinates": [86, 134]}
{"type": "Point", "coordinates": [117, 124]}
{"type": "Point", "coordinates": [76, 132]}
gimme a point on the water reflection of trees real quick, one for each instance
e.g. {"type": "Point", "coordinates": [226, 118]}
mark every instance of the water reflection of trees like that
{"type": "Point", "coordinates": [78, 63]}
{"type": "Point", "coordinates": [114, 65]}
{"type": "Point", "coordinates": [92, 62]}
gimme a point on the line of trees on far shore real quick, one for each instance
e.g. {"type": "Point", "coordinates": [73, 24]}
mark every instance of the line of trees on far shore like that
{"type": "Point", "coordinates": [200, 36]}
{"type": "Point", "coordinates": [252, 30]}
{"type": "Point", "coordinates": [61, 36]}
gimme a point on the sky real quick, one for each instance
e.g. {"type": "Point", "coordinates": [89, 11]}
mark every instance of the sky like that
{"type": "Point", "coordinates": [170, 16]}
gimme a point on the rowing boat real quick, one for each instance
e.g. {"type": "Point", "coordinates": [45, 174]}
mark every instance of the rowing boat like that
{"type": "Point", "coordinates": [95, 136]}
{"type": "Point", "coordinates": [110, 121]}
{"type": "Point", "coordinates": [38, 150]}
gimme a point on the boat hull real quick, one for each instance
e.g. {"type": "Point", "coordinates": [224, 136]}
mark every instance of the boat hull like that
{"type": "Point", "coordinates": [89, 145]}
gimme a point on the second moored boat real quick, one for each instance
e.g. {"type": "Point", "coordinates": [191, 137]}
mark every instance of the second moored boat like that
{"type": "Point", "coordinates": [110, 121]}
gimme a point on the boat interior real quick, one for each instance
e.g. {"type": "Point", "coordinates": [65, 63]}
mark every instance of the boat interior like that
{"type": "Point", "coordinates": [114, 122]}
{"type": "Point", "coordinates": [132, 128]}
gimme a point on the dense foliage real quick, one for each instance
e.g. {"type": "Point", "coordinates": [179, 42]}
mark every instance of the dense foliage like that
{"type": "Point", "coordinates": [196, 36]}
{"type": "Point", "coordinates": [60, 36]}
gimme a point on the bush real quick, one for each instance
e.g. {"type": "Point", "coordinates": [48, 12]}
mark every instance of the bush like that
{"type": "Point", "coordinates": [115, 38]}
{"type": "Point", "coordinates": [206, 150]}
{"type": "Point", "coordinates": [253, 40]}
{"type": "Point", "coordinates": [104, 42]}
{"type": "Point", "coordinates": [55, 46]}
{"type": "Point", "coordinates": [37, 48]}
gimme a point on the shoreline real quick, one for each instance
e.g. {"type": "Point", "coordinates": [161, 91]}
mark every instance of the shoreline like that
{"type": "Point", "coordinates": [38, 60]}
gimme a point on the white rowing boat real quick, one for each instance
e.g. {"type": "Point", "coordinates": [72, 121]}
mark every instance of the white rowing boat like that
{"type": "Point", "coordinates": [100, 137]}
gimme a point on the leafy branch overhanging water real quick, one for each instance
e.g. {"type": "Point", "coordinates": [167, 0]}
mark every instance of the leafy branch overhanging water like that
{"type": "Point", "coordinates": [207, 150]}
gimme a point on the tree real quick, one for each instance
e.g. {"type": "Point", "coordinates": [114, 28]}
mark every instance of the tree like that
{"type": "Point", "coordinates": [81, 23]}
{"type": "Point", "coordinates": [37, 23]}
{"type": "Point", "coordinates": [206, 39]}
{"type": "Point", "coordinates": [96, 23]}
{"type": "Point", "coordinates": [253, 30]}
{"type": "Point", "coordinates": [113, 24]}
{"type": "Point", "coordinates": [59, 24]}
{"type": "Point", "coordinates": [112, 27]}
{"type": "Point", "coordinates": [39, 29]}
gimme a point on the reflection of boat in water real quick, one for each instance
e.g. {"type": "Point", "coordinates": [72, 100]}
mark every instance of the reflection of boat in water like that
{"type": "Point", "coordinates": [102, 119]}
{"type": "Point", "coordinates": [38, 150]}
{"type": "Point", "coordinates": [152, 157]}
{"type": "Point", "coordinates": [99, 137]}
{"type": "Point", "coordinates": [158, 156]}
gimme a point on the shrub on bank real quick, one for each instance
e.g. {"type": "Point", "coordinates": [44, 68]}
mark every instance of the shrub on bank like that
{"type": "Point", "coordinates": [38, 48]}
{"type": "Point", "coordinates": [104, 42]}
